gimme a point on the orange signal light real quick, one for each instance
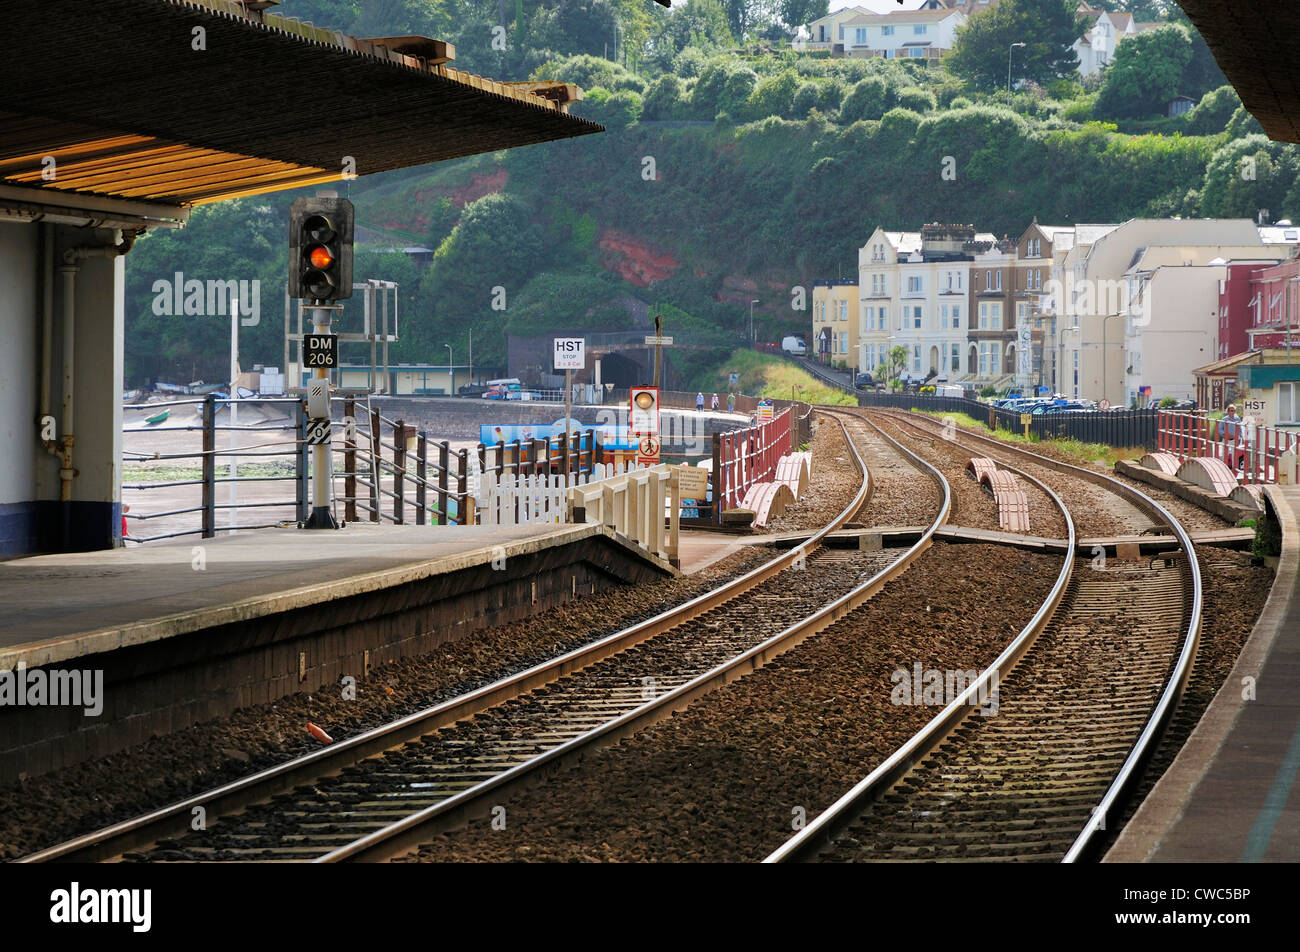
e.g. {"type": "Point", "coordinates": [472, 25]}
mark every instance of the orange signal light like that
{"type": "Point", "coordinates": [320, 257]}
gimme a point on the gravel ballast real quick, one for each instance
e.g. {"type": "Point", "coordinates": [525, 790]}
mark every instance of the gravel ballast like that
{"type": "Point", "coordinates": [726, 778]}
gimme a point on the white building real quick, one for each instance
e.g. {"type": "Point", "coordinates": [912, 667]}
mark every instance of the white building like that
{"type": "Point", "coordinates": [878, 289]}
{"type": "Point", "coordinates": [1096, 48]}
{"type": "Point", "coordinates": [915, 292]}
{"type": "Point", "coordinates": [898, 34]}
{"type": "Point", "coordinates": [1091, 291]}
{"type": "Point", "coordinates": [827, 33]}
{"type": "Point", "coordinates": [1174, 322]}
{"type": "Point", "coordinates": [902, 34]}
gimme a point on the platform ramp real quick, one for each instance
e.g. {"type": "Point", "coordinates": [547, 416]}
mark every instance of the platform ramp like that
{"type": "Point", "coordinates": [1209, 474]}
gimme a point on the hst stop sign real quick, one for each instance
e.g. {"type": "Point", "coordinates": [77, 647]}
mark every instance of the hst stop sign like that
{"type": "Point", "coordinates": [570, 353]}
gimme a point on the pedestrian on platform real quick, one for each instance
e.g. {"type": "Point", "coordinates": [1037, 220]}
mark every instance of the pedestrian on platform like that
{"type": "Point", "coordinates": [1230, 428]}
{"type": "Point", "coordinates": [715, 403]}
{"type": "Point", "coordinates": [731, 403]}
{"type": "Point", "coordinates": [699, 402]}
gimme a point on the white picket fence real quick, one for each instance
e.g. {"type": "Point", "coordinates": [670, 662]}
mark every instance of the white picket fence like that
{"type": "Point", "coordinates": [634, 501]}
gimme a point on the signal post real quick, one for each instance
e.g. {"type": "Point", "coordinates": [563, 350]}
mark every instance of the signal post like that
{"type": "Point", "coordinates": [320, 271]}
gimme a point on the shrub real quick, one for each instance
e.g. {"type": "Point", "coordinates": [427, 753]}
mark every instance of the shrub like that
{"type": "Point", "coordinates": [1079, 110]}
{"type": "Point", "coordinates": [866, 100]}
{"type": "Point", "coordinates": [664, 100]}
{"type": "Point", "coordinates": [806, 99]}
{"type": "Point", "coordinates": [1243, 124]}
{"type": "Point", "coordinates": [917, 99]}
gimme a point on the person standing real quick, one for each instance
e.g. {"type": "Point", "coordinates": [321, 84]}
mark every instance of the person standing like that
{"type": "Point", "coordinates": [714, 406]}
{"type": "Point", "coordinates": [1230, 428]}
{"type": "Point", "coordinates": [699, 402]}
{"type": "Point", "coordinates": [731, 402]}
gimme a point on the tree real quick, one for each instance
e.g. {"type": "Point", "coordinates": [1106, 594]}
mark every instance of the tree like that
{"type": "Point", "coordinates": [746, 15]}
{"type": "Point", "coordinates": [664, 99]}
{"type": "Point", "coordinates": [897, 360]}
{"type": "Point", "coordinates": [1048, 28]}
{"type": "Point", "coordinates": [1146, 73]}
{"type": "Point", "coordinates": [700, 24]}
{"type": "Point", "coordinates": [1214, 111]}
{"type": "Point", "coordinates": [797, 13]}
{"type": "Point", "coordinates": [1248, 174]}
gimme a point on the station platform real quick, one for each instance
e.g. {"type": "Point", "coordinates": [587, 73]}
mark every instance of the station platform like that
{"type": "Point", "coordinates": [1231, 793]}
{"type": "Point", "coordinates": [186, 631]}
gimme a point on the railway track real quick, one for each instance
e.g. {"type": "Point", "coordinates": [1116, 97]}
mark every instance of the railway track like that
{"type": "Point", "coordinates": [377, 794]}
{"type": "Point", "coordinates": [1077, 718]}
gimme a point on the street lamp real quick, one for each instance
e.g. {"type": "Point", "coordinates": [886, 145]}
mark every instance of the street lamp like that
{"type": "Point", "coordinates": [1061, 339]}
{"type": "Point", "coordinates": [1009, 49]}
{"type": "Point", "coordinates": [451, 370]}
{"type": "Point", "coordinates": [751, 321]}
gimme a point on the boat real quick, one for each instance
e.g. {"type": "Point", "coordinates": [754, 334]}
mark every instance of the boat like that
{"type": "Point", "coordinates": [131, 396]}
{"type": "Point", "coordinates": [158, 417]}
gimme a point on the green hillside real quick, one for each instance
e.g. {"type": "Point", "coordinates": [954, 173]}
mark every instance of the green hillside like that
{"type": "Point", "coordinates": [727, 173]}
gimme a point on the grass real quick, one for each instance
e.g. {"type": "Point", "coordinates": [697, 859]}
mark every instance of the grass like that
{"type": "Point", "coordinates": [1086, 453]}
{"type": "Point", "coordinates": [764, 375]}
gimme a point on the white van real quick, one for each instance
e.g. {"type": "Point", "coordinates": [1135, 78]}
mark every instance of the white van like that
{"type": "Point", "coordinates": [794, 346]}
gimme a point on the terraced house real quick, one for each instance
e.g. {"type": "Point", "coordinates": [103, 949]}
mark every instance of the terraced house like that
{"type": "Point", "coordinates": [835, 323]}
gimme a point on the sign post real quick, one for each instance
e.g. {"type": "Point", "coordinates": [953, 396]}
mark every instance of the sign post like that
{"type": "Point", "coordinates": [570, 355]}
{"type": "Point", "coordinates": [320, 352]}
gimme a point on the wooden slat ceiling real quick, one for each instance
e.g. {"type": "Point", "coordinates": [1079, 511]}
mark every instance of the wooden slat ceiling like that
{"type": "Point", "coordinates": [114, 91]}
{"type": "Point", "coordinates": [1256, 44]}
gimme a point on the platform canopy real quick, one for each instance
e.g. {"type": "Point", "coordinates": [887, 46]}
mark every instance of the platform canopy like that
{"type": "Point", "coordinates": [170, 103]}
{"type": "Point", "coordinates": [1256, 44]}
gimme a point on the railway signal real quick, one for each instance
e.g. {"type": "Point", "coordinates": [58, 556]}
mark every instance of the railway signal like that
{"type": "Point", "coordinates": [320, 249]}
{"type": "Point", "coordinates": [320, 270]}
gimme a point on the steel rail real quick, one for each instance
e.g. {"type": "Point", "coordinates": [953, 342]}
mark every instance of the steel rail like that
{"type": "Point", "coordinates": [399, 837]}
{"type": "Point", "coordinates": [112, 841]}
{"type": "Point", "coordinates": [1130, 772]}
{"type": "Point", "coordinates": [805, 845]}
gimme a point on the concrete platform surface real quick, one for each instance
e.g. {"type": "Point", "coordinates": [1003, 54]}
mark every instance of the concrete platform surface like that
{"type": "Point", "coordinates": [58, 607]}
{"type": "Point", "coordinates": [1231, 793]}
{"type": "Point", "coordinates": [697, 549]}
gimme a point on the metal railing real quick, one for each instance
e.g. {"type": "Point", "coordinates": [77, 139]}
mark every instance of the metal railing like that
{"type": "Point", "coordinates": [1123, 428]}
{"type": "Point", "coordinates": [1252, 451]}
{"type": "Point", "coordinates": [744, 457]}
{"type": "Point", "coordinates": [383, 471]}
{"type": "Point", "coordinates": [138, 459]}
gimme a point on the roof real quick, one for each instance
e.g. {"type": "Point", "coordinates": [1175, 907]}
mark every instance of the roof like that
{"type": "Point", "coordinates": [1227, 363]}
{"type": "Point", "coordinates": [1198, 256]}
{"type": "Point", "coordinates": [1256, 43]}
{"type": "Point", "coordinates": [837, 14]}
{"type": "Point", "coordinates": [895, 17]}
{"type": "Point", "coordinates": [184, 127]}
{"type": "Point", "coordinates": [1091, 234]}
{"type": "Point", "coordinates": [904, 241]}
{"type": "Point", "coordinates": [1279, 234]}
